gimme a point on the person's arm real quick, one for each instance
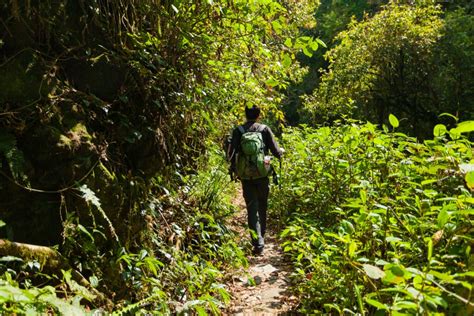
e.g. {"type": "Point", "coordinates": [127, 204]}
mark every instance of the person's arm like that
{"type": "Point", "coordinates": [234, 147]}
{"type": "Point", "coordinates": [272, 144]}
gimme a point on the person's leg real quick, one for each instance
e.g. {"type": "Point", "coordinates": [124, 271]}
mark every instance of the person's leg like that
{"type": "Point", "coordinates": [263, 190]}
{"type": "Point", "coordinates": [250, 192]}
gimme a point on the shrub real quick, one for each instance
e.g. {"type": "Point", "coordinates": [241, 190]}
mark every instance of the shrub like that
{"type": "Point", "coordinates": [378, 222]}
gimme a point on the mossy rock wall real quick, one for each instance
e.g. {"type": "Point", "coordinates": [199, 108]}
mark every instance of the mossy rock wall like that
{"type": "Point", "coordinates": [81, 105]}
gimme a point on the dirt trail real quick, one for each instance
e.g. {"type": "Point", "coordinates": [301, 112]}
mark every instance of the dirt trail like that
{"type": "Point", "coordinates": [263, 288]}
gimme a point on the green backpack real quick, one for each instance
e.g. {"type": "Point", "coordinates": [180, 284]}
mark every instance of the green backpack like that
{"type": "Point", "coordinates": [251, 162]}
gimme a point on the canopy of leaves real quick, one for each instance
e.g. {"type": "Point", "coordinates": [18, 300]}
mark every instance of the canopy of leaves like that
{"type": "Point", "coordinates": [332, 17]}
{"type": "Point", "coordinates": [399, 61]}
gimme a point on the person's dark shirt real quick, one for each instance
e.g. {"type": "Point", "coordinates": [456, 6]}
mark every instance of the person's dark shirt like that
{"type": "Point", "coordinates": [267, 135]}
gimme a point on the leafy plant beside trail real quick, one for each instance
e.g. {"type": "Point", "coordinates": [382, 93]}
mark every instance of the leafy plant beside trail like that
{"type": "Point", "coordinates": [379, 223]}
{"type": "Point", "coordinates": [181, 267]}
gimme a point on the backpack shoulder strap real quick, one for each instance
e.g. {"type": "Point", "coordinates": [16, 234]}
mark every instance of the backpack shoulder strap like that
{"type": "Point", "coordinates": [261, 128]}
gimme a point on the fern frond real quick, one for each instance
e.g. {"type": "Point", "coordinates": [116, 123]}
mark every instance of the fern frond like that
{"type": "Point", "coordinates": [14, 157]}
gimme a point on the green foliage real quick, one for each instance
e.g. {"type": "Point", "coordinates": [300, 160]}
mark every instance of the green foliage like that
{"type": "Point", "coordinates": [377, 221]}
{"type": "Point", "coordinates": [110, 109]}
{"type": "Point", "coordinates": [194, 255]}
{"type": "Point", "coordinates": [383, 65]}
{"type": "Point", "coordinates": [334, 16]}
{"type": "Point", "coordinates": [13, 156]}
{"type": "Point", "coordinates": [186, 248]}
{"type": "Point", "coordinates": [107, 116]}
{"type": "Point", "coordinates": [454, 58]}
{"type": "Point", "coordinates": [134, 90]}
{"type": "Point", "coordinates": [180, 268]}
{"type": "Point", "coordinates": [35, 300]}
{"type": "Point", "coordinates": [331, 18]}
{"type": "Point", "coordinates": [417, 68]}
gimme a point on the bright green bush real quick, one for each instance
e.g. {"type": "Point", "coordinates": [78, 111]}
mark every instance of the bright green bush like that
{"type": "Point", "coordinates": [377, 222]}
{"type": "Point", "coordinates": [185, 253]}
{"type": "Point", "coordinates": [413, 60]}
{"type": "Point", "coordinates": [35, 300]}
{"type": "Point", "coordinates": [188, 249]}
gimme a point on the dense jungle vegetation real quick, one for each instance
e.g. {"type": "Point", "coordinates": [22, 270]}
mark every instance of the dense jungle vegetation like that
{"type": "Point", "coordinates": [114, 192]}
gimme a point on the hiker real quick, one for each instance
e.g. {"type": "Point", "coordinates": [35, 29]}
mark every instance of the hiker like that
{"type": "Point", "coordinates": [253, 169]}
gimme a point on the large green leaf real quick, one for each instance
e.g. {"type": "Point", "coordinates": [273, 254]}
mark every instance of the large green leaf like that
{"type": "Point", "coordinates": [443, 218]}
{"type": "Point", "coordinates": [470, 179]}
{"type": "Point", "coordinates": [439, 130]}
{"type": "Point", "coordinates": [393, 121]}
{"type": "Point", "coordinates": [463, 127]}
{"type": "Point", "coordinates": [373, 272]}
{"type": "Point", "coordinates": [377, 304]}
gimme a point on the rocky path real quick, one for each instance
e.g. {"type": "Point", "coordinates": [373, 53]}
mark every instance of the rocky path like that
{"type": "Point", "coordinates": [262, 289]}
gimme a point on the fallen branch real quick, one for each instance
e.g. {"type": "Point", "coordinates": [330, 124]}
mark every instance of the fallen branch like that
{"type": "Point", "coordinates": [50, 259]}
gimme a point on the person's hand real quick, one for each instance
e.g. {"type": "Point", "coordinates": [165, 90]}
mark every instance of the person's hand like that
{"type": "Point", "coordinates": [282, 150]}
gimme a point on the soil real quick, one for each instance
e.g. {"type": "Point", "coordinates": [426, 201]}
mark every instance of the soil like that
{"type": "Point", "coordinates": [262, 288]}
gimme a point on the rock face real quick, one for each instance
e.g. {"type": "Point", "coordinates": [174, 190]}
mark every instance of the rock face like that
{"type": "Point", "coordinates": [82, 104]}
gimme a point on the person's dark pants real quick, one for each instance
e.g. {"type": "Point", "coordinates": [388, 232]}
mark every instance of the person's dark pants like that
{"type": "Point", "coordinates": [256, 198]}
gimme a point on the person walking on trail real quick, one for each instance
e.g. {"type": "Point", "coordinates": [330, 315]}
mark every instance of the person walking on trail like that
{"type": "Point", "coordinates": [249, 148]}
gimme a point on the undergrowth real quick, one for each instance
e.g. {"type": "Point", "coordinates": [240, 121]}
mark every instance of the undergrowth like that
{"type": "Point", "coordinates": [377, 222]}
{"type": "Point", "coordinates": [179, 267]}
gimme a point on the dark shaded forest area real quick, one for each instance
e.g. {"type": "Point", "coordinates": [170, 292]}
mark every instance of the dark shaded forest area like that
{"type": "Point", "coordinates": [98, 105]}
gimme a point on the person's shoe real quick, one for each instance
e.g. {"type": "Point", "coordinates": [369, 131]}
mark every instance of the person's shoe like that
{"type": "Point", "coordinates": [257, 251]}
